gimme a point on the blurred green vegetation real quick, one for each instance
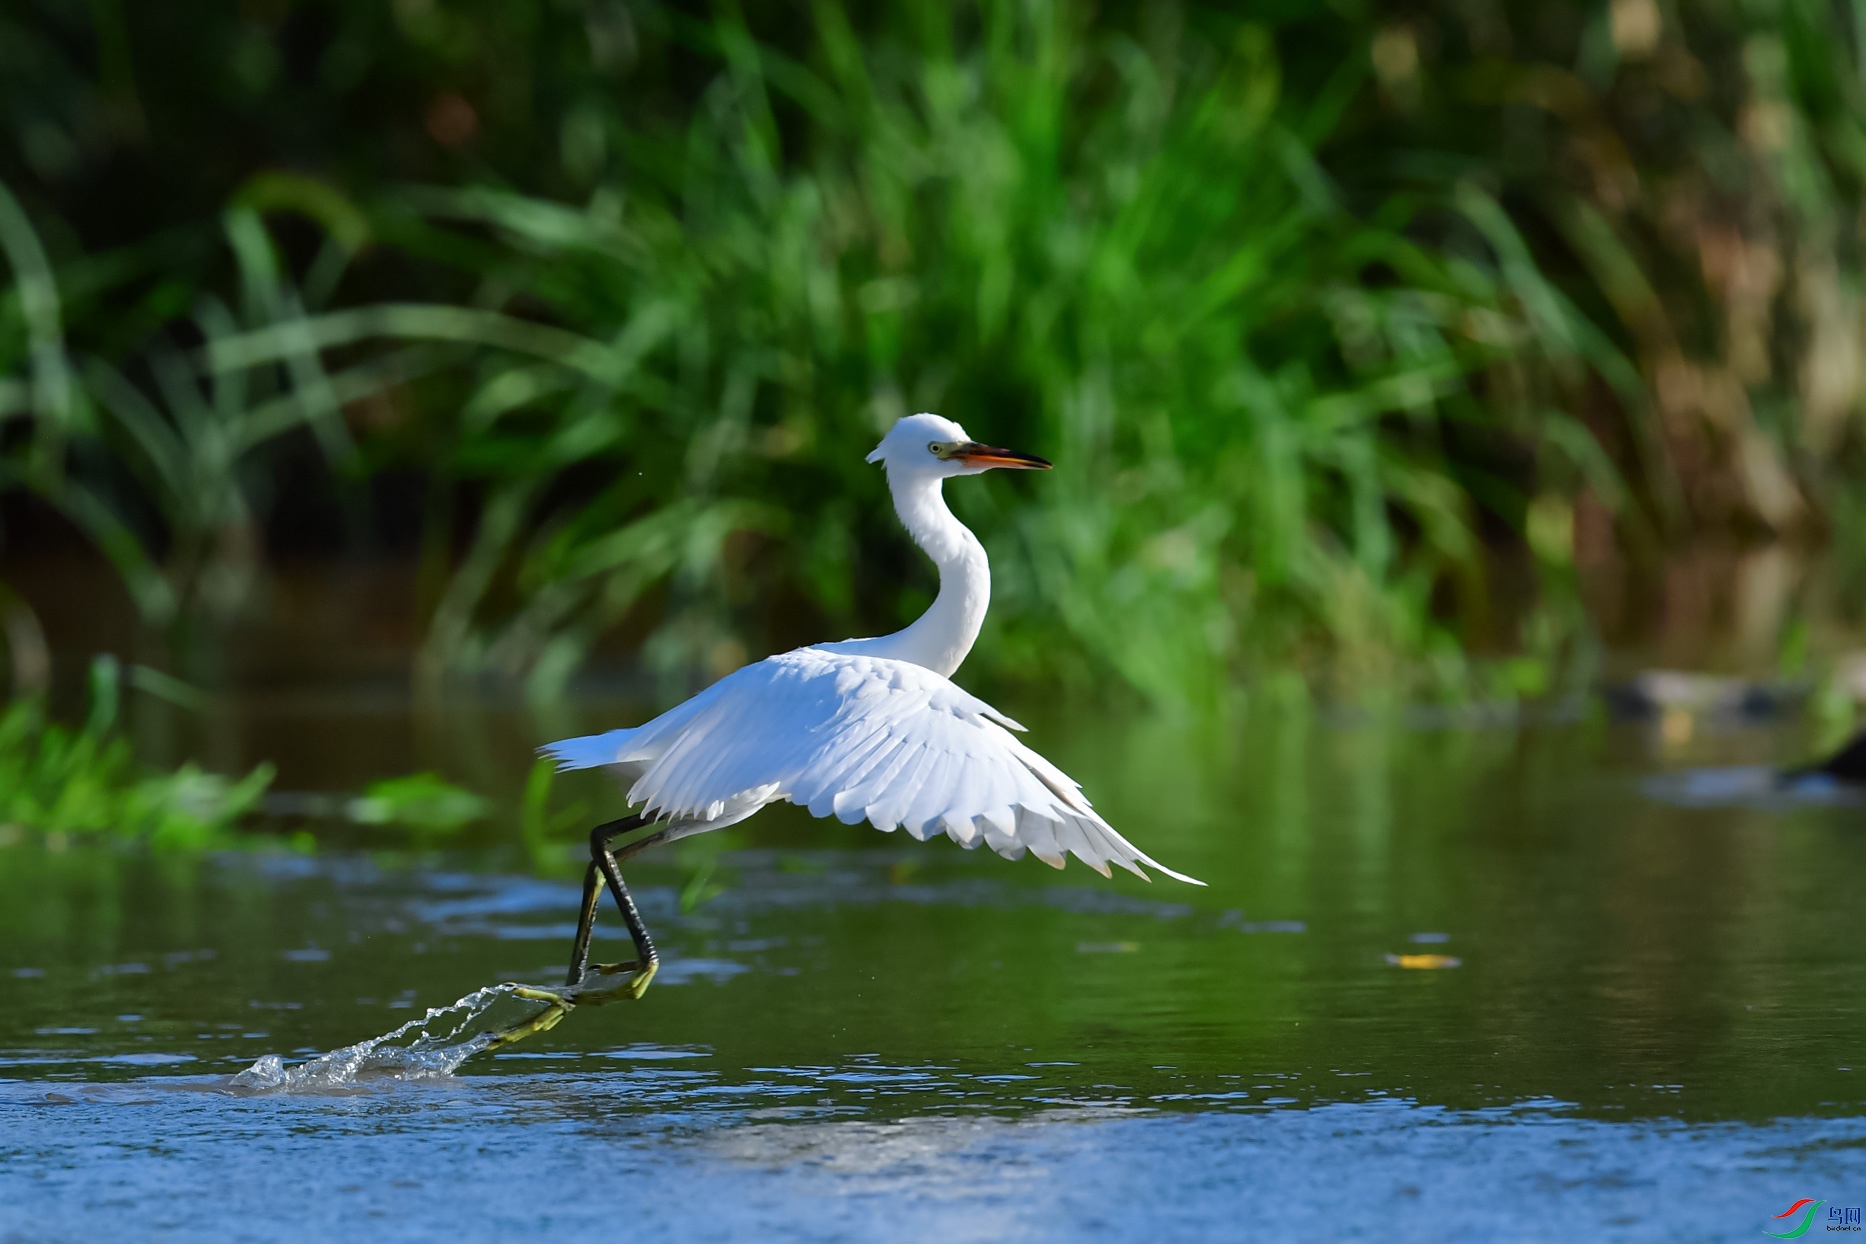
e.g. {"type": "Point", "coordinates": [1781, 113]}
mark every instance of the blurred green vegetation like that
{"type": "Point", "coordinates": [1357, 333]}
{"type": "Point", "coordinates": [420, 801]}
{"type": "Point", "coordinates": [57, 782]}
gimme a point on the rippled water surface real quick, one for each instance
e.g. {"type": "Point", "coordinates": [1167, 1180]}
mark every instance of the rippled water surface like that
{"type": "Point", "coordinates": [1547, 984]}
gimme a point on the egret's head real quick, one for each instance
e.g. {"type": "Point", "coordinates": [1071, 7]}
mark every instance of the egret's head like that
{"type": "Point", "coordinates": [932, 445]}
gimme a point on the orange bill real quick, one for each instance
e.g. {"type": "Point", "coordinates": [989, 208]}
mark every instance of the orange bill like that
{"type": "Point", "coordinates": [974, 454]}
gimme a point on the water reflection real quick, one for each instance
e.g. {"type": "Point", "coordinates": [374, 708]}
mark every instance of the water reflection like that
{"type": "Point", "coordinates": [859, 1008]}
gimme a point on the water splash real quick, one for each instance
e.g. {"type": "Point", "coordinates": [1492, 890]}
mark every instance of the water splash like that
{"type": "Point", "coordinates": [429, 1055]}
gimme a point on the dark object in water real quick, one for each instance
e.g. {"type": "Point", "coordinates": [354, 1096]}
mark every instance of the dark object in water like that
{"type": "Point", "coordinates": [1652, 693]}
{"type": "Point", "coordinates": [1846, 765]}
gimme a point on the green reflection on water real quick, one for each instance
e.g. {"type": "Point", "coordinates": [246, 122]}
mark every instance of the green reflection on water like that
{"type": "Point", "coordinates": [1628, 956]}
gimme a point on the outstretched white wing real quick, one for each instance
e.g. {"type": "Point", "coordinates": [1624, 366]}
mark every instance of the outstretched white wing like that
{"type": "Point", "coordinates": [857, 738]}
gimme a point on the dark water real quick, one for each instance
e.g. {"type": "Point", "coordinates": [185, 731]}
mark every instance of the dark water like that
{"type": "Point", "coordinates": [1650, 1030]}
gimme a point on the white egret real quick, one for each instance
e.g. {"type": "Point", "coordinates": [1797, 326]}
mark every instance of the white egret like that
{"type": "Point", "coordinates": [865, 729]}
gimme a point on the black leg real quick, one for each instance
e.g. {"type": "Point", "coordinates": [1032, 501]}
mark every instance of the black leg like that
{"type": "Point", "coordinates": [586, 924]}
{"type": "Point", "coordinates": [604, 863]}
{"type": "Point", "coordinates": [607, 863]}
{"type": "Point", "coordinates": [592, 891]}
{"type": "Point", "coordinates": [645, 958]}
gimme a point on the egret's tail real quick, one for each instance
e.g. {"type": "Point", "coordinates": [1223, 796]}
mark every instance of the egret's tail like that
{"type": "Point", "coordinates": [590, 751]}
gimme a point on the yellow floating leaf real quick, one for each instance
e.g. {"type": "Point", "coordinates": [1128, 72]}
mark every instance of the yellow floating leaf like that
{"type": "Point", "coordinates": [1424, 961]}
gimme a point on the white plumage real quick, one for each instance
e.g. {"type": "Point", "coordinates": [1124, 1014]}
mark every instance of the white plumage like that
{"type": "Point", "coordinates": [872, 729]}
{"type": "Point", "coordinates": [856, 738]}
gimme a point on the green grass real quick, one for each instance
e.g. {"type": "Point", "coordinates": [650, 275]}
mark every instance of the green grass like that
{"type": "Point", "coordinates": [1345, 332]}
{"type": "Point", "coordinates": [57, 782]}
{"type": "Point", "coordinates": [1124, 256]}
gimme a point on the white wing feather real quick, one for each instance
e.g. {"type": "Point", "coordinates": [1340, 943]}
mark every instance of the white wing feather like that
{"type": "Point", "coordinates": [856, 737]}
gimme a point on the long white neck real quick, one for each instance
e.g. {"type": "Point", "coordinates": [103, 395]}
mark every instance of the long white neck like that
{"type": "Point", "coordinates": [940, 638]}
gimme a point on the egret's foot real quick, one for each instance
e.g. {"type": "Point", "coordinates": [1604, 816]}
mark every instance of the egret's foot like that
{"type": "Point", "coordinates": [598, 987]}
{"type": "Point", "coordinates": [561, 999]}
{"type": "Point", "coordinates": [556, 1006]}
